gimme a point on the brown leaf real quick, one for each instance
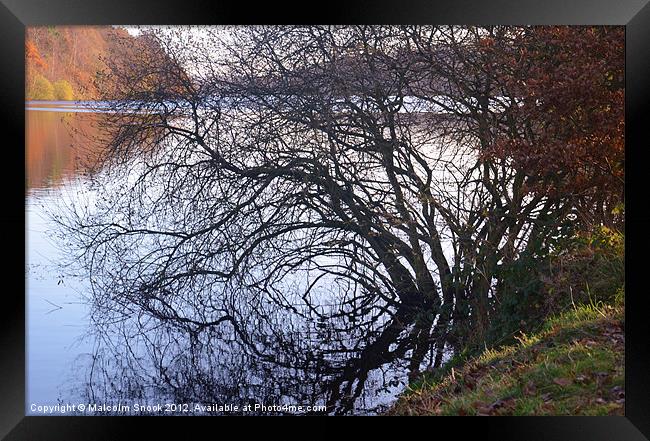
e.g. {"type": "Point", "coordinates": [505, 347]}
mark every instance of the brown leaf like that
{"type": "Point", "coordinates": [548, 407]}
{"type": "Point", "coordinates": [562, 381]}
{"type": "Point", "coordinates": [530, 388]}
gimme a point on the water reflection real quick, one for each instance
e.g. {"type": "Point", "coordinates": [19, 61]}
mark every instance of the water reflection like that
{"type": "Point", "coordinates": [57, 156]}
{"type": "Point", "coordinates": [275, 360]}
{"type": "Point", "coordinates": [153, 363]}
{"type": "Point", "coordinates": [258, 353]}
{"type": "Point", "coordinates": [58, 144]}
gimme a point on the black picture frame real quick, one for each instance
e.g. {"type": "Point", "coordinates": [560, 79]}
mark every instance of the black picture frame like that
{"type": "Point", "coordinates": [15, 15]}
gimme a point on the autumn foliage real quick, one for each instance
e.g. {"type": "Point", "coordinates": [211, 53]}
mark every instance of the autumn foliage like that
{"type": "Point", "coordinates": [570, 82]}
{"type": "Point", "coordinates": [40, 88]}
{"type": "Point", "coordinates": [75, 58]}
{"type": "Point", "coordinates": [63, 90]}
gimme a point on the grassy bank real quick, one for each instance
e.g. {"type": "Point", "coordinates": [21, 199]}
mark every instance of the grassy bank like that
{"type": "Point", "coordinates": [573, 366]}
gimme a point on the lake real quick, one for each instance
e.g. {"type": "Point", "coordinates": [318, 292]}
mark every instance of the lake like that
{"type": "Point", "coordinates": [149, 368]}
{"type": "Point", "coordinates": [56, 314]}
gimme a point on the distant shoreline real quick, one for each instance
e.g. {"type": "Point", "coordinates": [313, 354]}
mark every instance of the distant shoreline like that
{"type": "Point", "coordinates": [73, 106]}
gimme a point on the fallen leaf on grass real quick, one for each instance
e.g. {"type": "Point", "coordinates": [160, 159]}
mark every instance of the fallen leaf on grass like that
{"type": "Point", "coordinates": [548, 407]}
{"type": "Point", "coordinates": [481, 408]}
{"type": "Point", "coordinates": [503, 405]}
{"type": "Point", "coordinates": [562, 381]}
{"type": "Point", "coordinates": [530, 388]}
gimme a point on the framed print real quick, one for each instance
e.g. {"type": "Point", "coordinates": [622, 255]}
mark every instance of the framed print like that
{"type": "Point", "coordinates": [424, 210]}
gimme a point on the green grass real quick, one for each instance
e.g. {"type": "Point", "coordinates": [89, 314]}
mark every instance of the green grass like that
{"type": "Point", "coordinates": [573, 366]}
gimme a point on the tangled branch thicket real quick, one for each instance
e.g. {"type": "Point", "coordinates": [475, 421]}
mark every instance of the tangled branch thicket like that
{"type": "Point", "coordinates": [302, 190]}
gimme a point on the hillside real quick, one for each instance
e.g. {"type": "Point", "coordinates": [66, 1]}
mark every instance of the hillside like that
{"type": "Point", "coordinates": [574, 366]}
{"type": "Point", "coordinates": [63, 62]}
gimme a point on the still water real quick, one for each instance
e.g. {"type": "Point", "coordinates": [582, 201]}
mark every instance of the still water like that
{"type": "Point", "coordinates": [71, 359]}
{"type": "Point", "coordinates": [56, 314]}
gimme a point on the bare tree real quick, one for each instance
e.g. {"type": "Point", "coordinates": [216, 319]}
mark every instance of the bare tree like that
{"type": "Point", "coordinates": [326, 174]}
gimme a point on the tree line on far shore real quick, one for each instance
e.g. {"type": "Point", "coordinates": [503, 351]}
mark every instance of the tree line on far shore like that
{"type": "Point", "coordinates": [67, 62]}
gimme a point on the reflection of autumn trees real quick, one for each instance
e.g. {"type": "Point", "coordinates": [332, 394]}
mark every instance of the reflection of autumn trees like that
{"type": "Point", "coordinates": [58, 146]}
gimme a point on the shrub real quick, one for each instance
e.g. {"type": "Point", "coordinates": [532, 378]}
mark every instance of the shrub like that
{"type": "Point", "coordinates": [588, 268]}
{"type": "Point", "coordinates": [63, 90]}
{"type": "Point", "coordinates": [41, 89]}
